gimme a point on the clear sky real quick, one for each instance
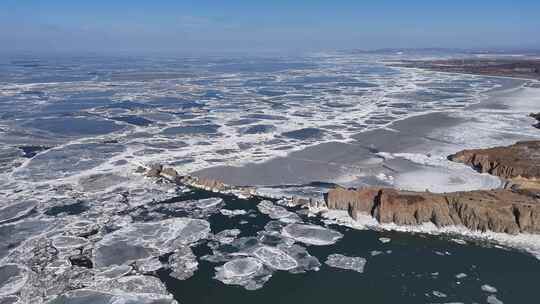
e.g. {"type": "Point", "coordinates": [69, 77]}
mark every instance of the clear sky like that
{"type": "Point", "coordinates": [258, 25]}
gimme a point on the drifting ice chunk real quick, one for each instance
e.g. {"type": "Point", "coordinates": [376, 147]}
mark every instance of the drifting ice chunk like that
{"type": "Point", "coordinates": [227, 236]}
{"type": "Point", "coordinates": [231, 213]}
{"type": "Point", "coordinates": [384, 240]}
{"type": "Point", "coordinates": [275, 258]}
{"type": "Point", "coordinates": [344, 262]}
{"type": "Point", "coordinates": [209, 202]}
{"type": "Point", "coordinates": [116, 272]}
{"type": "Point", "coordinates": [461, 275]}
{"type": "Point", "coordinates": [143, 240]}
{"type": "Point", "coordinates": [439, 294]}
{"type": "Point", "coordinates": [69, 242]}
{"type": "Point", "coordinates": [183, 263]}
{"type": "Point", "coordinates": [488, 288]}
{"type": "Point", "coordinates": [247, 272]}
{"type": "Point", "coordinates": [277, 212]}
{"type": "Point", "coordinates": [492, 299]}
{"type": "Point", "coordinates": [12, 278]}
{"type": "Point", "coordinates": [311, 234]}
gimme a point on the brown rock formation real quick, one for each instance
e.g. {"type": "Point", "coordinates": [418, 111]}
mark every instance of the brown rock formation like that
{"type": "Point", "coordinates": [496, 210]}
{"type": "Point", "coordinates": [518, 161]}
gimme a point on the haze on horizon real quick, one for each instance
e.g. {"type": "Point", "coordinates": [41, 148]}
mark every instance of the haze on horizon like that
{"type": "Point", "coordinates": [265, 26]}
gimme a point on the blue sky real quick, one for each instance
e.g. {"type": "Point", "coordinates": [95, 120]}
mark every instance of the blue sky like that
{"type": "Point", "coordinates": [257, 25]}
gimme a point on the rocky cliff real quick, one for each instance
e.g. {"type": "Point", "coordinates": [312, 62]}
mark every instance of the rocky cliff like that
{"type": "Point", "coordinates": [495, 210]}
{"type": "Point", "coordinates": [518, 163]}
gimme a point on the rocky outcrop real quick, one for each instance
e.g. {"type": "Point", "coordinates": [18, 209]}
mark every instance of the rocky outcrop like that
{"type": "Point", "coordinates": [537, 117]}
{"type": "Point", "coordinates": [495, 210]}
{"type": "Point", "coordinates": [519, 162]}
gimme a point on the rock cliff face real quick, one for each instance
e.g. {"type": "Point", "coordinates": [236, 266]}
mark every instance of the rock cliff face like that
{"type": "Point", "coordinates": [496, 210]}
{"type": "Point", "coordinates": [521, 160]}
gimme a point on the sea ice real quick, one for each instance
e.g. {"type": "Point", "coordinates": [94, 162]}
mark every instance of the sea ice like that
{"type": "Point", "coordinates": [209, 202]}
{"type": "Point", "coordinates": [277, 212]}
{"type": "Point", "coordinates": [311, 234]}
{"type": "Point", "coordinates": [16, 211]}
{"type": "Point", "coordinates": [143, 240]}
{"type": "Point", "coordinates": [344, 262]}
{"type": "Point", "coordinates": [231, 213]}
{"type": "Point", "coordinates": [384, 240]}
{"type": "Point", "coordinates": [12, 278]}
{"type": "Point", "coordinates": [67, 160]}
{"type": "Point", "coordinates": [488, 288]}
{"type": "Point", "coordinates": [68, 242]}
{"type": "Point", "coordinates": [439, 294]}
{"type": "Point", "coordinates": [183, 263]}
{"type": "Point", "coordinates": [275, 258]}
{"type": "Point", "coordinates": [492, 299]}
{"type": "Point", "coordinates": [461, 275]}
{"type": "Point", "coordinates": [248, 272]}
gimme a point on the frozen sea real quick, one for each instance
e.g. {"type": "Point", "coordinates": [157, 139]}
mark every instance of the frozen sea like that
{"type": "Point", "coordinates": [78, 224]}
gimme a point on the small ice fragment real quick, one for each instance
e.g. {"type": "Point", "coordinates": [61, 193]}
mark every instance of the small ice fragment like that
{"type": "Point", "coordinates": [461, 275]}
{"type": "Point", "coordinates": [209, 202]}
{"type": "Point", "coordinates": [311, 234]}
{"type": "Point", "coordinates": [344, 262]}
{"type": "Point", "coordinates": [492, 299]}
{"type": "Point", "coordinates": [231, 213]}
{"type": "Point", "coordinates": [183, 263]}
{"type": "Point", "coordinates": [439, 294]}
{"type": "Point", "coordinates": [488, 288]}
{"type": "Point", "coordinates": [275, 258]}
{"type": "Point", "coordinates": [247, 272]}
{"type": "Point", "coordinates": [384, 240]}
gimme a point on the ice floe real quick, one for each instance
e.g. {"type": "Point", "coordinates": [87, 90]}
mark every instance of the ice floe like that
{"type": "Point", "coordinates": [183, 263]}
{"type": "Point", "coordinates": [143, 240]}
{"type": "Point", "coordinates": [488, 288]}
{"type": "Point", "coordinates": [12, 278]}
{"type": "Point", "coordinates": [247, 272]}
{"type": "Point", "coordinates": [345, 262]}
{"type": "Point", "coordinates": [312, 234]}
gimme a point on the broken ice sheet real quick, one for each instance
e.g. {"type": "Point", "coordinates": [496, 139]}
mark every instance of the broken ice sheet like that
{"type": "Point", "coordinates": [277, 212]}
{"type": "Point", "coordinates": [247, 272]}
{"type": "Point", "coordinates": [312, 234]}
{"type": "Point", "coordinates": [12, 278]}
{"type": "Point", "coordinates": [16, 211]}
{"type": "Point", "coordinates": [231, 213]}
{"type": "Point", "coordinates": [143, 240]}
{"type": "Point", "coordinates": [345, 262]}
{"type": "Point", "coordinates": [183, 263]}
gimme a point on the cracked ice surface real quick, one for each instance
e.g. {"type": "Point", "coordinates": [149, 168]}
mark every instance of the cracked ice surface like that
{"type": "Point", "coordinates": [141, 240]}
{"type": "Point", "coordinates": [277, 212]}
{"type": "Point", "coordinates": [312, 234]}
{"type": "Point", "coordinates": [12, 278]}
{"type": "Point", "coordinates": [344, 262]}
{"type": "Point", "coordinates": [247, 272]}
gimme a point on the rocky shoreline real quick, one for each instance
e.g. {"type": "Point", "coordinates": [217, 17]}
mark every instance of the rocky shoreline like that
{"type": "Point", "coordinates": [513, 210]}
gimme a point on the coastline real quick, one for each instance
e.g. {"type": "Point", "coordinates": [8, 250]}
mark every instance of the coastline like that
{"type": "Point", "coordinates": [356, 163]}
